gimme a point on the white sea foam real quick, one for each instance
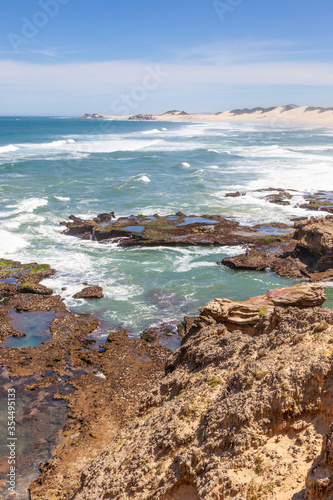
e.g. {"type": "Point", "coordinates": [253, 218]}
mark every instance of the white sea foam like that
{"type": "Point", "coordinates": [27, 205]}
{"type": "Point", "coordinates": [143, 178]}
{"type": "Point", "coordinates": [30, 204]}
{"type": "Point", "coordinates": [187, 265]}
{"type": "Point", "coordinates": [8, 149]}
{"type": "Point", "coordinates": [153, 131]}
{"type": "Point", "coordinates": [10, 243]}
{"type": "Point", "coordinates": [15, 222]}
{"type": "Point", "coordinates": [185, 164]}
{"type": "Point", "coordinates": [62, 198]}
{"type": "Point", "coordinates": [47, 145]}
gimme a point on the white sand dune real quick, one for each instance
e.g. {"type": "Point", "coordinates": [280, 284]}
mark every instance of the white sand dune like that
{"type": "Point", "coordinates": [306, 116]}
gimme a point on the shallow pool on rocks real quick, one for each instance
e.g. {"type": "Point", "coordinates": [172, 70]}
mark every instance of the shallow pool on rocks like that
{"type": "Point", "coordinates": [34, 324]}
{"type": "Point", "coordinates": [39, 419]}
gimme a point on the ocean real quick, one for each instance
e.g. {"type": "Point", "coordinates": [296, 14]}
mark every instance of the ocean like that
{"type": "Point", "coordinates": [51, 168]}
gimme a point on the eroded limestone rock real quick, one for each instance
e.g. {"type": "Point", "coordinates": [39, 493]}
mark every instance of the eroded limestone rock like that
{"type": "Point", "coordinates": [225, 310]}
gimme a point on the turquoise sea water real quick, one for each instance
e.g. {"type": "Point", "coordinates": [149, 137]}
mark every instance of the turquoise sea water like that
{"type": "Point", "coordinates": [51, 168]}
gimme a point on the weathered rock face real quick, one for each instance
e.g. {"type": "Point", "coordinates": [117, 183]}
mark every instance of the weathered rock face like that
{"type": "Point", "coordinates": [304, 295]}
{"type": "Point", "coordinates": [249, 313]}
{"type": "Point", "coordinates": [310, 256]}
{"type": "Point", "coordinates": [90, 292]}
{"type": "Point", "coordinates": [319, 482]}
{"type": "Point", "coordinates": [316, 236]}
{"type": "Point", "coordinates": [224, 310]}
{"type": "Point", "coordinates": [236, 416]}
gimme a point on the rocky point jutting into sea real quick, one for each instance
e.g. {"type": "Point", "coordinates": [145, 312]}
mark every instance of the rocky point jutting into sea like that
{"type": "Point", "coordinates": [242, 409]}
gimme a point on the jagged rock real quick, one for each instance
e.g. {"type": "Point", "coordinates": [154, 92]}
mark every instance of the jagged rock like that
{"type": "Point", "coordinates": [105, 217]}
{"type": "Point", "coordinates": [34, 288]}
{"type": "Point", "coordinates": [236, 416]}
{"type": "Point", "coordinates": [90, 292]}
{"type": "Point", "coordinates": [315, 235]}
{"type": "Point", "coordinates": [224, 310]}
{"type": "Point", "coordinates": [319, 483]}
{"type": "Point", "coordinates": [310, 255]}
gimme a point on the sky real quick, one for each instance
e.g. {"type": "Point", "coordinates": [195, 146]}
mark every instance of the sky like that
{"type": "Point", "coordinates": [70, 57]}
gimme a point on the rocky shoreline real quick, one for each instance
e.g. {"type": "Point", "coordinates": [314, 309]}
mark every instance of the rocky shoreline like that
{"type": "Point", "coordinates": [239, 414]}
{"type": "Point", "coordinates": [241, 410]}
{"type": "Point", "coordinates": [304, 250]}
{"type": "Point", "coordinates": [102, 387]}
{"type": "Point", "coordinates": [309, 255]}
{"type": "Point", "coordinates": [174, 230]}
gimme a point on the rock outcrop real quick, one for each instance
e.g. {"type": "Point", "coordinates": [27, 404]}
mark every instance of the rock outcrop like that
{"type": "Point", "coordinates": [236, 415]}
{"type": "Point", "coordinates": [227, 311]}
{"type": "Point", "coordinates": [319, 484]}
{"type": "Point", "coordinates": [321, 201]}
{"type": "Point", "coordinates": [311, 255]}
{"type": "Point", "coordinates": [175, 229]}
{"type": "Point", "coordinates": [102, 385]}
{"type": "Point", "coordinates": [90, 292]}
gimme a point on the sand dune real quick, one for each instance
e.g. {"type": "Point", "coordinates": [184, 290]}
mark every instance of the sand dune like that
{"type": "Point", "coordinates": [284, 116]}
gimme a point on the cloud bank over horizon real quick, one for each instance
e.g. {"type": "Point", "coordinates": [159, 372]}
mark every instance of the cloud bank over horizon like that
{"type": "Point", "coordinates": [191, 57]}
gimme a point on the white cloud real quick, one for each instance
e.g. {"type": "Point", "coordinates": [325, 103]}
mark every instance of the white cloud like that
{"type": "Point", "coordinates": [194, 73]}
{"type": "Point", "coordinates": [122, 74]}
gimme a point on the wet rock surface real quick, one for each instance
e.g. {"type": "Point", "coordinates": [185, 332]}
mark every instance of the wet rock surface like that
{"type": "Point", "coordinates": [101, 389]}
{"type": "Point", "coordinates": [318, 201]}
{"type": "Point", "coordinates": [308, 255]}
{"type": "Point", "coordinates": [321, 201]}
{"type": "Point", "coordinates": [168, 334]}
{"type": "Point", "coordinates": [236, 415]}
{"type": "Point", "coordinates": [90, 292]}
{"type": "Point", "coordinates": [247, 391]}
{"type": "Point", "coordinates": [176, 230]}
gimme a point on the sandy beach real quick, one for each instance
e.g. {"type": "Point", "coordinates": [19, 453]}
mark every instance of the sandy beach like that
{"type": "Point", "coordinates": [284, 115]}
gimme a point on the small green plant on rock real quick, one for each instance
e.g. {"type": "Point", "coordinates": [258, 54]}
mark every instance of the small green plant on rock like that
{"type": "Point", "coordinates": [260, 374]}
{"type": "Point", "coordinates": [259, 468]}
{"type": "Point", "coordinates": [214, 381]}
{"type": "Point", "coordinates": [259, 491]}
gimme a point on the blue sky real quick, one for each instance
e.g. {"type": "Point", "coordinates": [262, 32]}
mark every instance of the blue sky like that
{"type": "Point", "coordinates": [68, 57]}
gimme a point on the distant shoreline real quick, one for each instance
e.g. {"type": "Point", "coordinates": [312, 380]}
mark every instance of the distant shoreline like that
{"type": "Point", "coordinates": [283, 116]}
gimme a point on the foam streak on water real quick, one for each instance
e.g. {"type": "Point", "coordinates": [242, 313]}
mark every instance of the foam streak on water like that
{"type": "Point", "coordinates": [52, 168]}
